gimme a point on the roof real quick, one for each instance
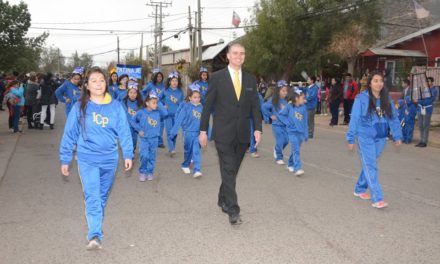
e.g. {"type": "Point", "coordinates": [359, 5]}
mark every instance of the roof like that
{"type": "Point", "coordinates": [413, 35]}
{"type": "Point", "coordinates": [213, 51]}
{"type": "Point", "coordinates": [394, 52]}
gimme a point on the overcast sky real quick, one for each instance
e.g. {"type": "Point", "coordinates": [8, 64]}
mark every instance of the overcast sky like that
{"type": "Point", "coordinates": [60, 13]}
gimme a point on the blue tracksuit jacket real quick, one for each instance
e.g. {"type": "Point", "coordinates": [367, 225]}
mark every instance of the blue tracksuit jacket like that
{"type": "Point", "coordinates": [68, 90]}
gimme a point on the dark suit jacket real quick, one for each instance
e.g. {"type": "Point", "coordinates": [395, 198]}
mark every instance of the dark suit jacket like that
{"type": "Point", "coordinates": [232, 117]}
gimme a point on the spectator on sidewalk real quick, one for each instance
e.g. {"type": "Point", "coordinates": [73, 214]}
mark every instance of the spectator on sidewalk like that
{"type": "Point", "coordinates": [335, 100]}
{"type": "Point", "coordinates": [2, 90]}
{"type": "Point", "coordinates": [17, 103]}
{"type": "Point", "coordinates": [424, 111]}
{"type": "Point", "coordinates": [31, 101]}
{"type": "Point", "coordinates": [350, 91]}
{"type": "Point", "coordinates": [48, 99]}
{"type": "Point", "coordinates": [311, 103]}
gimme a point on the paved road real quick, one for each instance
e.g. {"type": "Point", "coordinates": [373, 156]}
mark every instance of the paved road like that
{"type": "Point", "coordinates": [175, 219]}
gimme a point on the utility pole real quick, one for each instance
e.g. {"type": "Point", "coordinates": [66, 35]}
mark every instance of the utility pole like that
{"type": "Point", "coordinates": [59, 60]}
{"type": "Point", "coordinates": [142, 48]}
{"type": "Point", "coordinates": [190, 33]}
{"type": "Point", "coordinates": [158, 5]}
{"type": "Point", "coordinates": [199, 32]}
{"type": "Point", "coordinates": [118, 49]}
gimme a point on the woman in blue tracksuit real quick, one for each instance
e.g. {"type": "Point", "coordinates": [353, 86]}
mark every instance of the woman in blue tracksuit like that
{"type": "Point", "coordinates": [294, 117]}
{"type": "Point", "coordinates": [147, 124]}
{"type": "Point", "coordinates": [132, 104]}
{"type": "Point", "coordinates": [69, 92]}
{"type": "Point", "coordinates": [272, 108]}
{"type": "Point", "coordinates": [203, 83]}
{"type": "Point", "coordinates": [94, 125]}
{"type": "Point", "coordinates": [424, 111]}
{"type": "Point", "coordinates": [156, 84]}
{"type": "Point", "coordinates": [372, 115]}
{"type": "Point", "coordinates": [121, 92]}
{"type": "Point", "coordinates": [188, 117]}
{"type": "Point", "coordinates": [172, 97]}
{"type": "Point", "coordinates": [113, 84]}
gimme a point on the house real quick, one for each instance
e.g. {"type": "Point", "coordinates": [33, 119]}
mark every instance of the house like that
{"type": "Point", "coordinates": [397, 57]}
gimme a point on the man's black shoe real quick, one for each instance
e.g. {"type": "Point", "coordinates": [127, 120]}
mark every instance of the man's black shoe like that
{"type": "Point", "coordinates": [235, 219]}
{"type": "Point", "coordinates": [422, 145]}
{"type": "Point", "coordinates": [419, 145]}
{"type": "Point", "coordinates": [223, 207]}
{"type": "Point", "coordinates": [161, 146]}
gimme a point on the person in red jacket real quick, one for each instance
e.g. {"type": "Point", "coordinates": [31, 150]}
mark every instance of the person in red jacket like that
{"type": "Point", "coordinates": [350, 92]}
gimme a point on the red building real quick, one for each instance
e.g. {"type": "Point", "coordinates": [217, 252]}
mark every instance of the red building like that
{"type": "Point", "coordinates": [397, 57]}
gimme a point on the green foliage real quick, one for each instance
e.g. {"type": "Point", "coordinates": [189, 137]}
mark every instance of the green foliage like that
{"type": "Point", "coordinates": [18, 53]}
{"type": "Point", "coordinates": [297, 32]}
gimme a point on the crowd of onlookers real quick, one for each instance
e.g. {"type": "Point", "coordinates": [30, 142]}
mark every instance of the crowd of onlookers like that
{"type": "Point", "coordinates": [31, 96]}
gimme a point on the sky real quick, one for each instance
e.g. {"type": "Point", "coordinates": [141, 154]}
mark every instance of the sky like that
{"type": "Point", "coordinates": [86, 14]}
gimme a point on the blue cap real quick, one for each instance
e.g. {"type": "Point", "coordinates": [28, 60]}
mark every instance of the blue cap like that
{"type": "Point", "coordinates": [78, 70]}
{"type": "Point", "coordinates": [194, 87]}
{"type": "Point", "coordinates": [156, 70]}
{"type": "Point", "coordinates": [203, 69]}
{"type": "Point", "coordinates": [132, 84]}
{"type": "Point", "coordinates": [281, 83]}
{"type": "Point", "coordinates": [173, 74]}
{"type": "Point", "coordinates": [298, 91]}
{"type": "Point", "coordinates": [152, 94]}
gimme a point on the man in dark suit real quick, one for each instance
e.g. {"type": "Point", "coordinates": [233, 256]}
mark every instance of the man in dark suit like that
{"type": "Point", "coordinates": [232, 93]}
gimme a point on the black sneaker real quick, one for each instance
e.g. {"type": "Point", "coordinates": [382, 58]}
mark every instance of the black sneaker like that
{"type": "Point", "coordinates": [161, 146]}
{"type": "Point", "coordinates": [94, 244]}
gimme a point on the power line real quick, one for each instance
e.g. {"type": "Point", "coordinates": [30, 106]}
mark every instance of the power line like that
{"type": "Point", "coordinates": [99, 30]}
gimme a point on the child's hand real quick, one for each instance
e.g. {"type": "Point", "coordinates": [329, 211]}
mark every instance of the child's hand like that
{"type": "Point", "coordinates": [141, 133]}
{"type": "Point", "coordinates": [398, 143]}
{"type": "Point", "coordinates": [128, 164]}
{"type": "Point", "coordinates": [273, 117]}
{"type": "Point", "coordinates": [65, 170]}
{"type": "Point", "coordinates": [67, 100]}
{"type": "Point", "coordinates": [350, 147]}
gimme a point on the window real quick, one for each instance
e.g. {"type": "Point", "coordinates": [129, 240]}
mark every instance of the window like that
{"type": "Point", "coordinates": [437, 62]}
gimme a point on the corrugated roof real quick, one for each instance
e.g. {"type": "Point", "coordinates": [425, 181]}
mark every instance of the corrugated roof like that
{"type": "Point", "coordinates": [213, 51]}
{"type": "Point", "coordinates": [397, 52]}
{"type": "Point", "coordinates": [413, 35]}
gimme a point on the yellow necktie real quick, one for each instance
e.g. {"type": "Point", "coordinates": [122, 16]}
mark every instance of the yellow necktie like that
{"type": "Point", "coordinates": [237, 85]}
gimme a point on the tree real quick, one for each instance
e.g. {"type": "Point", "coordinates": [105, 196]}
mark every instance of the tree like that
{"type": "Point", "coordinates": [85, 60]}
{"type": "Point", "coordinates": [357, 35]}
{"type": "Point", "coordinates": [52, 60]}
{"type": "Point", "coordinates": [18, 52]}
{"type": "Point", "coordinates": [293, 32]}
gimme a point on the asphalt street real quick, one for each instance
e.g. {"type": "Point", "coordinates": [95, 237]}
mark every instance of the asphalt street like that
{"type": "Point", "coordinates": [175, 219]}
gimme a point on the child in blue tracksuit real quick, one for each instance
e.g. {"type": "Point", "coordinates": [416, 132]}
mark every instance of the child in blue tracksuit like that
{"type": "Point", "coordinates": [188, 117]}
{"type": "Point", "coordinates": [69, 92]}
{"type": "Point", "coordinates": [94, 125]}
{"type": "Point", "coordinates": [272, 108]}
{"type": "Point", "coordinates": [132, 104]}
{"type": "Point", "coordinates": [252, 148]}
{"type": "Point", "coordinates": [203, 83]}
{"type": "Point", "coordinates": [121, 92]}
{"type": "Point", "coordinates": [156, 84]}
{"type": "Point", "coordinates": [294, 117]}
{"type": "Point", "coordinates": [172, 97]}
{"type": "Point", "coordinates": [407, 112]}
{"type": "Point", "coordinates": [372, 115]}
{"type": "Point", "coordinates": [113, 84]}
{"type": "Point", "coordinates": [147, 124]}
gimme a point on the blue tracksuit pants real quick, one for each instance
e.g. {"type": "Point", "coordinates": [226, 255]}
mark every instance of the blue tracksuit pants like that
{"type": "Point", "coordinates": [252, 147]}
{"type": "Point", "coordinates": [295, 148]}
{"type": "Point", "coordinates": [281, 140]}
{"type": "Point", "coordinates": [148, 151]}
{"type": "Point", "coordinates": [162, 125]}
{"type": "Point", "coordinates": [134, 136]}
{"type": "Point", "coordinates": [191, 148]}
{"type": "Point", "coordinates": [169, 123]}
{"type": "Point", "coordinates": [408, 129]}
{"type": "Point", "coordinates": [369, 151]}
{"type": "Point", "coordinates": [97, 180]}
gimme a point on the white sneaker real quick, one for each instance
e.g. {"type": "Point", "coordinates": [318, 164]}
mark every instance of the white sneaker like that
{"type": "Point", "coordinates": [186, 170]}
{"type": "Point", "coordinates": [255, 155]}
{"type": "Point", "coordinates": [280, 162]}
{"type": "Point", "coordinates": [290, 169]}
{"type": "Point", "coordinates": [299, 172]}
{"type": "Point", "coordinates": [197, 174]}
{"type": "Point", "coordinates": [94, 244]}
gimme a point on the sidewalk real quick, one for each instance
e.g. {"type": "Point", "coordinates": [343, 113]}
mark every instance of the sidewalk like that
{"type": "Point", "coordinates": [434, 132]}
{"type": "Point", "coordinates": [8, 141]}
